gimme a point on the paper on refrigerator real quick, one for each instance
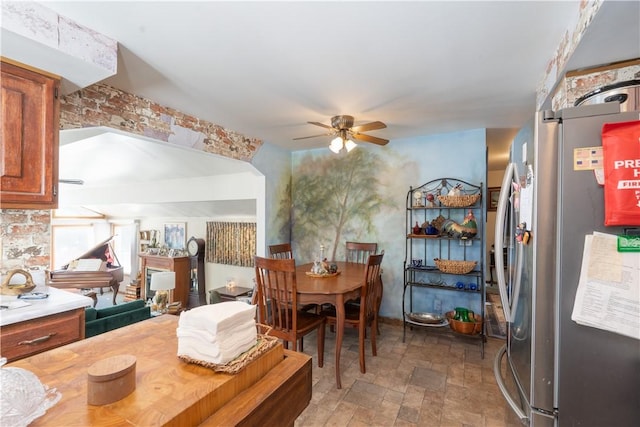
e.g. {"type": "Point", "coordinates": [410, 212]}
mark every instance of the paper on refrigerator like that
{"type": "Point", "coordinates": [608, 295]}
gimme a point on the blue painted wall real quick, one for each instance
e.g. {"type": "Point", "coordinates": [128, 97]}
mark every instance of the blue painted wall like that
{"type": "Point", "coordinates": [361, 196]}
{"type": "Point", "coordinates": [275, 164]}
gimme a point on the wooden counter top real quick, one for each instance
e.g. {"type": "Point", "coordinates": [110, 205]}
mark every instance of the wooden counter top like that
{"type": "Point", "coordinates": [168, 391]}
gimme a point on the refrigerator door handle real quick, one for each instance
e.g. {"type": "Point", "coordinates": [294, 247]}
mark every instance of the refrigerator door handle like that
{"type": "Point", "coordinates": [497, 372]}
{"type": "Point", "coordinates": [501, 213]}
{"type": "Point", "coordinates": [515, 292]}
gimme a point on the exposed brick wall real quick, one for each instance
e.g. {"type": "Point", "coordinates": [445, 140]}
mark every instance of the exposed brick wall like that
{"type": "Point", "coordinates": [577, 84]}
{"type": "Point", "coordinates": [102, 105]}
{"type": "Point", "coordinates": [556, 67]}
{"type": "Point", "coordinates": [26, 236]}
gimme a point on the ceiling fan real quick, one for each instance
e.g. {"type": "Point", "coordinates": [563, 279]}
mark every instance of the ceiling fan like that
{"type": "Point", "coordinates": [344, 130]}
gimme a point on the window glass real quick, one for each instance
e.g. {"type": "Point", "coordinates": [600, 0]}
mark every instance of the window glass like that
{"type": "Point", "coordinates": [123, 243]}
{"type": "Point", "coordinates": [69, 242]}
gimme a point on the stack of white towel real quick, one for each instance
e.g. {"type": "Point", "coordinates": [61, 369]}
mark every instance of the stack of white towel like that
{"type": "Point", "coordinates": [217, 333]}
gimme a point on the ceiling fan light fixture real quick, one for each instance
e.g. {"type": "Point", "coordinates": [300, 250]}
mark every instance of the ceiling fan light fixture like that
{"type": "Point", "coordinates": [342, 127]}
{"type": "Point", "coordinates": [336, 145]}
{"type": "Point", "coordinates": [350, 145]}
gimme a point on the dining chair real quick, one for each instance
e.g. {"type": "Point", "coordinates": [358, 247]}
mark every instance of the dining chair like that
{"type": "Point", "coordinates": [284, 251]}
{"type": "Point", "coordinates": [359, 252]}
{"type": "Point", "coordinates": [276, 285]}
{"type": "Point", "coordinates": [281, 251]}
{"type": "Point", "coordinates": [366, 313]}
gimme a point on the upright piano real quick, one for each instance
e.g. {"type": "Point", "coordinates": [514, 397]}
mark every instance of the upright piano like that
{"type": "Point", "coordinates": [106, 271]}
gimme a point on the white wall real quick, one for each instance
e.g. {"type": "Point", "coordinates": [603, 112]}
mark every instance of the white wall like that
{"type": "Point", "coordinates": [215, 274]}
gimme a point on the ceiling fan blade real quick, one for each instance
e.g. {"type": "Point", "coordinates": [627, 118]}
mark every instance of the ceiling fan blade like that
{"type": "Point", "coordinates": [369, 138]}
{"type": "Point", "coordinates": [369, 126]}
{"type": "Point", "coordinates": [313, 136]}
{"type": "Point", "coordinates": [320, 124]}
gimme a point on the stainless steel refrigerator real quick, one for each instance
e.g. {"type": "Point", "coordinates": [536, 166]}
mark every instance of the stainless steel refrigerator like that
{"type": "Point", "coordinates": [565, 374]}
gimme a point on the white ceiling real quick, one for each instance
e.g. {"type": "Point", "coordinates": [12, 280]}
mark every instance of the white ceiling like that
{"type": "Point", "coordinates": [265, 69]}
{"type": "Point", "coordinates": [119, 169]}
{"type": "Point", "coordinates": [119, 156]}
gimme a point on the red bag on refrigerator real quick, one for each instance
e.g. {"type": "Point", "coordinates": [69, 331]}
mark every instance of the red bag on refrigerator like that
{"type": "Point", "coordinates": [621, 155]}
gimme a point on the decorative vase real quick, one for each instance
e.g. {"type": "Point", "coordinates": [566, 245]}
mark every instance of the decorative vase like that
{"type": "Point", "coordinates": [416, 229]}
{"type": "Point", "coordinates": [462, 314]}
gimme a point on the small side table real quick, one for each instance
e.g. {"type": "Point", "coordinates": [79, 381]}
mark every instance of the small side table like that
{"type": "Point", "coordinates": [228, 294]}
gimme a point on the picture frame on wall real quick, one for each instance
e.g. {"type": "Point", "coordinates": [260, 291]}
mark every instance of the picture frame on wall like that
{"type": "Point", "coordinates": [492, 199]}
{"type": "Point", "coordinates": [175, 235]}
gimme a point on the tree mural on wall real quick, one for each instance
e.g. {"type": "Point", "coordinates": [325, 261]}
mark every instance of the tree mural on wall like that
{"type": "Point", "coordinates": [335, 197]}
{"type": "Point", "coordinates": [280, 223]}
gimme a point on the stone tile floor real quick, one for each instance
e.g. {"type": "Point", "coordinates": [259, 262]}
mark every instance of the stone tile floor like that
{"type": "Point", "coordinates": [430, 380]}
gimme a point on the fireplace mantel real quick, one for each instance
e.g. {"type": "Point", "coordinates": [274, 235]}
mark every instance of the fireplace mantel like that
{"type": "Point", "coordinates": [180, 265]}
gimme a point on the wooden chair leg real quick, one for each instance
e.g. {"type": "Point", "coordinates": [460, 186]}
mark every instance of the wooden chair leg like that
{"type": "Point", "coordinates": [379, 303]}
{"type": "Point", "coordinates": [361, 331]}
{"type": "Point", "coordinates": [374, 326]}
{"type": "Point", "coordinates": [320, 334]}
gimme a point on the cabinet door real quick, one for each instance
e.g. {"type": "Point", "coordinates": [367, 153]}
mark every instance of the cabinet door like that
{"type": "Point", "coordinates": [28, 139]}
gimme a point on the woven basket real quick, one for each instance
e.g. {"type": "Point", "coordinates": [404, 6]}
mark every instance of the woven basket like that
{"type": "Point", "coordinates": [461, 201]}
{"type": "Point", "coordinates": [455, 267]}
{"type": "Point", "coordinates": [466, 328]}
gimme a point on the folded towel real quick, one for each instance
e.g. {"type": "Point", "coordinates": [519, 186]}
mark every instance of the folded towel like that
{"type": "Point", "coordinates": [207, 336]}
{"type": "Point", "coordinates": [215, 350]}
{"type": "Point", "coordinates": [216, 318]}
{"type": "Point", "coordinates": [193, 353]}
{"type": "Point", "coordinates": [217, 333]}
{"type": "Point", "coordinates": [197, 349]}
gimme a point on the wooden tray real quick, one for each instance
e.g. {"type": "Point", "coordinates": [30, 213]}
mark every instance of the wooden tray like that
{"type": "Point", "coordinates": [310, 274]}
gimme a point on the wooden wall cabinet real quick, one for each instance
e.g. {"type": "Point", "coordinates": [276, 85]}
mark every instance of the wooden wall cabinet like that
{"type": "Point", "coordinates": [30, 112]}
{"type": "Point", "coordinates": [180, 265]}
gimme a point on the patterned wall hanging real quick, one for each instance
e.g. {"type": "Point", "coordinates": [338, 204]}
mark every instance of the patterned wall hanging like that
{"type": "Point", "coordinates": [231, 243]}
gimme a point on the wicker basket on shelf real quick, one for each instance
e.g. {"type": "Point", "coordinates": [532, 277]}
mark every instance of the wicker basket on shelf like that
{"type": "Point", "coordinates": [461, 201]}
{"type": "Point", "coordinates": [467, 328]}
{"type": "Point", "coordinates": [454, 266]}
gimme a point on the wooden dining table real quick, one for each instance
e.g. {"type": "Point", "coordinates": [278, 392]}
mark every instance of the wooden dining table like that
{"type": "Point", "coordinates": [334, 290]}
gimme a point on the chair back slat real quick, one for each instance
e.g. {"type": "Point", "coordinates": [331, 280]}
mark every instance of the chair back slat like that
{"type": "Point", "coordinates": [359, 252]}
{"type": "Point", "coordinates": [372, 287]}
{"type": "Point", "coordinates": [276, 286]}
{"type": "Point", "coordinates": [281, 251]}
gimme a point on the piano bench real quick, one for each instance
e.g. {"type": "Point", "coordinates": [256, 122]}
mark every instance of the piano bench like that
{"type": "Point", "coordinates": [91, 294]}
